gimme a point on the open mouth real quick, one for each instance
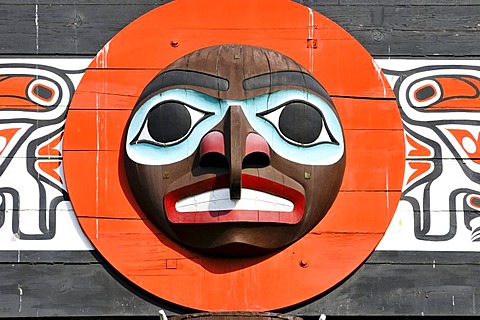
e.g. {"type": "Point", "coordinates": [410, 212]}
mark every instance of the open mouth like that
{"type": "Point", "coordinates": [208, 201]}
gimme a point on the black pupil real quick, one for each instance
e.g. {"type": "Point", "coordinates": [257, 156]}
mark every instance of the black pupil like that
{"type": "Point", "coordinates": [43, 92]}
{"type": "Point", "coordinates": [300, 122]}
{"type": "Point", "coordinates": [425, 93]}
{"type": "Point", "coordinates": [168, 122]}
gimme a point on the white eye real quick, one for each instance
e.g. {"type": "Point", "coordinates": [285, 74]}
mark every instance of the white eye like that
{"type": "Point", "coordinates": [299, 123]}
{"type": "Point", "coordinates": [424, 93]}
{"type": "Point", "coordinates": [169, 123]}
{"type": "Point", "coordinates": [43, 92]}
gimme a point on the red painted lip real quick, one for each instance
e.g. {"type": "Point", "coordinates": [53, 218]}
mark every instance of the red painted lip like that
{"type": "Point", "coordinates": [248, 181]}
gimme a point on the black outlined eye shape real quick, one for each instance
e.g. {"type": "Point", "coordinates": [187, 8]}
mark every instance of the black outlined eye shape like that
{"type": "Point", "coordinates": [169, 123]}
{"type": "Point", "coordinates": [44, 92]}
{"type": "Point", "coordinates": [299, 123]}
{"type": "Point", "coordinates": [424, 93]}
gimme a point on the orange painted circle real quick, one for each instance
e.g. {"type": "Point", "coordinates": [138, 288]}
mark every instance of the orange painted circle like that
{"type": "Point", "coordinates": [112, 220]}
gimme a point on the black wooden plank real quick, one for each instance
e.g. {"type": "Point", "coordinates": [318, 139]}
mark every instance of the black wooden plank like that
{"type": "Point", "coordinates": [388, 284]}
{"type": "Point", "coordinates": [430, 258]}
{"type": "Point", "coordinates": [9, 256]}
{"type": "Point", "coordinates": [410, 30]}
{"type": "Point", "coordinates": [402, 290]}
{"type": "Point", "coordinates": [74, 28]}
{"type": "Point", "coordinates": [400, 18]}
{"type": "Point", "coordinates": [48, 257]}
{"type": "Point", "coordinates": [418, 3]}
{"type": "Point", "coordinates": [305, 2]}
{"type": "Point", "coordinates": [83, 2]}
{"type": "Point", "coordinates": [382, 43]}
{"type": "Point", "coordinates": [68, 290]}
{"type": "Point", "coordinates": [377, 257]}
{"type": "Point", "coordinates": [24, 29]}
{"type": "Point", "coordinates": [71, 27]}
{"type": "Point", "coordinates": [52, 28]}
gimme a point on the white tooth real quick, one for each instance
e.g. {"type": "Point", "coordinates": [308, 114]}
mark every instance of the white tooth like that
{"type": "Point", "coordinates": [202, 197]}
{"type": "Point", "coordinates": [186, 207]}
{"type": "Point", "coordinates": [271, 198]}
{"type": "Point", "coordinates": [219, 199]}
{"type": "Point", "coordinates": [204, 206]}
{"type": "Point", "coordinates": [266, 206]}
{"type": "Point", "coordinates": [281, 207]}
{"type": "Point", "coordinates": [238, 204]}
{"type": "Point", "coordinates": [211, 196]}
{"type": "Point", "coordinates": [221, 194]}
{"type": "Point", "coordinates": [252, 195]}
{"type": "Point", "coordinates": [225, 204]}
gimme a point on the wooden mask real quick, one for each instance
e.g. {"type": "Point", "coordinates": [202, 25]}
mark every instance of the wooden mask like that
{"type": "Point", "coordinates": [235, 150]}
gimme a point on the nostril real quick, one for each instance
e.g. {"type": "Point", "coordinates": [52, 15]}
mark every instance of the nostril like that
{"type": "Point", "coordinates": [256, 160]}
{"type": "Point", "coordinates": [257, 152]}
{"type": "Point", "coordinates": [212, 150]}
{"type": "Point", "coordinates": [213, 159]}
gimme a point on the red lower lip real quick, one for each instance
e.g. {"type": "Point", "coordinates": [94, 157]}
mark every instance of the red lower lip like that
{"type": "Point", "coordinates": [248, 181]}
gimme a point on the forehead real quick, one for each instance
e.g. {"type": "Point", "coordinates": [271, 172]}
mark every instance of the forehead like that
{"type": "Point", "coordinates": [234, 72]}
{"type": "Point", "coordinates": [236, 62]}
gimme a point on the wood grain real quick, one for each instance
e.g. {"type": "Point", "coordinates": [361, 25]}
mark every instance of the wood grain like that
{"type": "Point", "coordinates": [388, 284]}
{"type": "Point", "coordinates": [409, 28]}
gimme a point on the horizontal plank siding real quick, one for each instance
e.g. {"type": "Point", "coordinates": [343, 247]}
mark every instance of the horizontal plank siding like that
{"type": "Point", "coordinates": [390, 29]}
{"type": "Point", "coordinates": [388, 284]}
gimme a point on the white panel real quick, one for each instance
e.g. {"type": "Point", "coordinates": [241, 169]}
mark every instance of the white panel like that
{"type": "Point", "coordinates": [431, 190]}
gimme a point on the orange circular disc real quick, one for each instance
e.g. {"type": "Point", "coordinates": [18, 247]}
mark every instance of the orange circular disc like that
{"type": "Point", "coordinates": [135, 247]}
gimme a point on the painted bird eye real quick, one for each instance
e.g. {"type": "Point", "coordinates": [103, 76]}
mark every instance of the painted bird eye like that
{"type": "Point", "coordinates": [44, 92]}
{"type": "Point", "coordinates": [299, 123]}
{"type": "Point", "coordinates": [169, 123]}
{"type": "Point", "coordinates": [424, 93]}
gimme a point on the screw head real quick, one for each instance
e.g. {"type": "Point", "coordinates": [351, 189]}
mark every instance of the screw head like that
{"type": "Point", "coordinates": [378, 36]}
{"type": "Point", "coordinates": [303, 263]}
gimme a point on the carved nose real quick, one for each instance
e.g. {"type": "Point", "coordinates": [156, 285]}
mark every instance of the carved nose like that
{"type": "Point", "coordinates": [236, 148]}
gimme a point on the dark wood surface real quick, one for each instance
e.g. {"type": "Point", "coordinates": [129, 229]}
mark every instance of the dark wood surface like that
{"type": "Point", "coordinates": [384, 28]}
{"type": "Point", "coordinates": [390, 283]}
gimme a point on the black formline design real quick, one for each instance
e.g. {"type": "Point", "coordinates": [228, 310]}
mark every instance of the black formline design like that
{"type": "Point", "coordinates": [422, 207]}
{"type": "Point", "coordinates": [47, 207]}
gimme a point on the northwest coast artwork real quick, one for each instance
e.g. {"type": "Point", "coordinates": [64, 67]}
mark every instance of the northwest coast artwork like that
{"type": "Point", "coordinates": [434, 155]}
{"type": "Point", "coordinates": [439, 104]}
{"type": "Point", "coordinates": [217, 145]}
{"type": "Point", "coordinates": [34, 206]}
{"type": "Point", "coordinates": [166, 155]}
{"type": "Point", "coordinates": [182, 153]}
{"type": "Point", "coordinates": [41, 96]}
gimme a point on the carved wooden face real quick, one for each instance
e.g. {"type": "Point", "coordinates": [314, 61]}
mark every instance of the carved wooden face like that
{"type": "Point", "coordinates": [235, 150]}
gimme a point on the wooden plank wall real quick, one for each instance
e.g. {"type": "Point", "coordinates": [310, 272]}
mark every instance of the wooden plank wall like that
{"type": "Point", "coordinates": [385, 28]}
{"type": "Point", "coordinates": [390, 283]}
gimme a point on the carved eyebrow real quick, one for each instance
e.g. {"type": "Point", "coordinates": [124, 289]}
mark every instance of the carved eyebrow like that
{"type": "Point", "coordinates": [185, 78]}
{"type": "Point", "coordinates": [285, 78]}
